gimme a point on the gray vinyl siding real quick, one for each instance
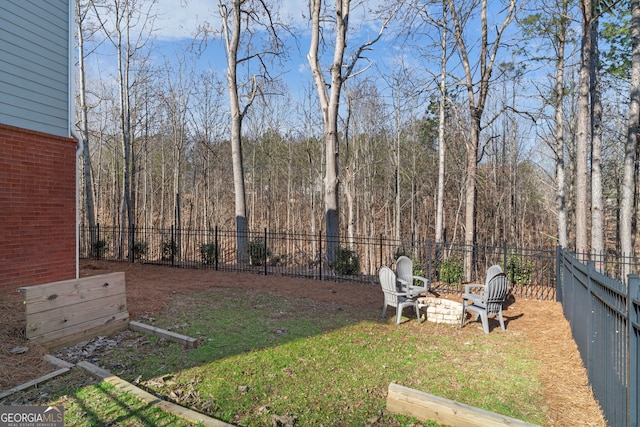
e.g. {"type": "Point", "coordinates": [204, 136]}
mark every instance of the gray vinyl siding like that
{"type": "Point", "coordinates": [34, 65]}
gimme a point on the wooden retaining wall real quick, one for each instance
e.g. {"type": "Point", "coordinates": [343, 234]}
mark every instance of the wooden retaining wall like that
{"type": "Point", "coordinates": [64, 313]}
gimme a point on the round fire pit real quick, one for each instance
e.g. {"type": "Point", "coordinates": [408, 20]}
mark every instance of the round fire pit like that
{"type": "Point", "coordinates": [440, 310]}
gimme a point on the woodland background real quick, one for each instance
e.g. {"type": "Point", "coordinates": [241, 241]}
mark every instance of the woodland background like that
{"type": "Point", "coordinates": [465, 121]}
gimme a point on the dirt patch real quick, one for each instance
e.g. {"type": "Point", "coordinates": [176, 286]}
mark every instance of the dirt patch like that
{"type": "Point", "coordinates": [150, 289]}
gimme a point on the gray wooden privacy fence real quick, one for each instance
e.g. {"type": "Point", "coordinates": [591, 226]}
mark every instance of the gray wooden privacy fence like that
{"type": "Point", "coordinates": [604, 315]}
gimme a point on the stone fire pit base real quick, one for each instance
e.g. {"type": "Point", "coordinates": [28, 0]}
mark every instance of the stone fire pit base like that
{"type": "Point", "coordinates": [440, 310]}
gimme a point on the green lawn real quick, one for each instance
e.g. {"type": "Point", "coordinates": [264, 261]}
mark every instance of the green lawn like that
{"type": "Point", "coordinates": [266, 355]}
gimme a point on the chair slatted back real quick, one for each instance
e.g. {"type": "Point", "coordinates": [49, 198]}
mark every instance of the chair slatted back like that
{"type": "Point", "coordinates": [388, 283]}
{"type": "Point", "coordinates": [491, 272]}
{"type": "Point", "coordinates": [495, 293]}
{"type": "Point", "coordinates": [404, 269]}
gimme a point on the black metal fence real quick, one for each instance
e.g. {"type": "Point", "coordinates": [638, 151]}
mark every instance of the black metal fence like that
{"type": "Point", "coordinates": [532, 271]}
{"type": "Point", "coordinates": [604, 314]}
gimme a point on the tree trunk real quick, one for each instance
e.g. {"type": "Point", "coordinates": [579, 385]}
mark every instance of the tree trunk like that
{"type": "Point", "coordinates": [397, 198]}
{"type": "Point", "coordinates": [232, 36]}
{"type": "Point", "coordinates": [441, 127]}
{"type": "Point", "coordinates": [125, 139]}
{"type": "Point", "coordinates": [470, 195]}
{"type": "Point", "coordinates": [331, 183]}
{"type": "Point", "coordinates": [477, 96]}
{"type": "Point", "coordinates": [349, 189]}
{"type": "Point", "coordinates": [628, 183]}
{"type": "Point", "coordinates": [583, 134]}
{"type": "Point", "coordinates": [329, 104]}
{"type": "Point", "coordinates": [84, 128]}
{"type": "Point", "coordinates": [597, 222]}
{"type": "Point", "coordinates": [559, 130]}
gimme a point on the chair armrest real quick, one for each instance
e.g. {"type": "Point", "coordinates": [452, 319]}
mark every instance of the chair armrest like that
{"type": "Point", "coordinates": [423, 280]}
{"type": "Point", "coordinates": [415, 290]}
{"type": "Point", "coordinates": [410, 289]}
{"type": "Point", "coordinates": [474, 298]}
{"type": "Point", "coordinates": [470, 295]}
{"type": "Point", "coordinates": [402, 284]}
{"type": "Point", "coordinates": [468, 287]}
{"type": "Point", "coordinates": [402, 281]}
{"type": "Point", "coordinates": [397, 293]}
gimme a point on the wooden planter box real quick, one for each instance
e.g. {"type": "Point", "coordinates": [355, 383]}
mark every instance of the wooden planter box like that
{"type": "Point", "coordinates": [65, 313]}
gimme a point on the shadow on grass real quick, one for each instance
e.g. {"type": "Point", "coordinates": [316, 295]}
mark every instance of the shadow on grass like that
{"type": "Point", "coordinates": [88, 403]}
{"type": "Point", "coordinates": [266, 356]}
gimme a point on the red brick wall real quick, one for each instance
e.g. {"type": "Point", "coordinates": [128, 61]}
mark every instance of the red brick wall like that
{"type": "Point", "coordinates": [37, 208]}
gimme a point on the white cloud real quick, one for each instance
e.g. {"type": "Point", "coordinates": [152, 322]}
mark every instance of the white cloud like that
{"type": "Point", "coordinates": [180, 19]}
{"type": "Point", "coordinates": [296, 12]}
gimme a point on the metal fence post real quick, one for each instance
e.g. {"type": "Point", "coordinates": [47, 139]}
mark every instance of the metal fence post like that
{"type": "Point", "coordinates": [429, 260]}
{"type": "Point", "coordinates": [591, 345]}
{"type": "Point", "coordinates": [173, 244]}
{"type": "Point", "coordinates": [559, 282]}
{"type": "Point", "coordinates": [265, 251]}
{"type": "Point", "coordinates": [320, 255]}
{"type": "Point", "coordinates": [95, 244]}
{"type": "Point", "coordinates": [217, 246]}
{"type": "Point", "coordinates": [633, 327]}
{"type": "Point", "coordinates": [504, 257]}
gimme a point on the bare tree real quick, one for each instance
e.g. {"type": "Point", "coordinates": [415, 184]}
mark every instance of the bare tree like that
{"type": "Point", "coordinates": [597, 220]}
{"type": "Point", "coordinates": [422, 10]}
{"type": "Point", "coordinates": [176, 91]}
{"type": "Point", "coordinates": [629, 174]}
{"type": "Point", "coordinates": [329, 96]}
{"type": "Point", "coordinates": [558, 105]}
{"type": "Point", "coordinates": [240, 21]}
{"type": "Point", "coordinates": [364, 113]}
{"type": "Point", "coordinates": [550, 21]}
{"type": "Point", "coordinates": [310, 134]}
{"type": "Point", "coordinates": [210, 127]}
{"type": "Point", "coordinates": [583, 131]}
{"type": "Point", "coordinates": [477, 93]}
{"type": "Point", "coordinates": [441, 127]}
{"type": "Point", "coordinates": [81, 15]}
{"type": "Point", "coordinates": [128, 27]}
{"type": "Point", "coordinates": [406, 94]}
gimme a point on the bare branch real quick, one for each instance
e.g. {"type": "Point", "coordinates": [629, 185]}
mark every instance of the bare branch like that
{"type": "Point", "coordinates": [368, 46]}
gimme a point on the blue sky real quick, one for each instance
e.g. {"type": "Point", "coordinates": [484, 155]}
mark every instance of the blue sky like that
{"type": "Point", "coordinates": [177, 19]}
{"type": "Point", "coordinates": [177, 22]}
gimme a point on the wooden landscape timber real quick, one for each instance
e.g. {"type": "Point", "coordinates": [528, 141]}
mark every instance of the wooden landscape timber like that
{"type": "Point", "coordinates": [150, 399]}
{"type": "Point", "coordinates": [61, 314]}
{"type": "Point", "coordinates": [186, 341]}
{"type": "Point", "coordinates": [425, 406]}
{"type": "Point", "coordinates": [33, 382]}
{"type": "Point", "coordinates": [63, 367]}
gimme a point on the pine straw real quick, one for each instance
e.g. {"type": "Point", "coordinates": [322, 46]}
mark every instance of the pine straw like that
{"type": "Point", "coordinates": [567, 390]}
{"type": "Point", "coordinates": [16, 369]}
{"type": "Point", "coordinates": [150, 288]}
